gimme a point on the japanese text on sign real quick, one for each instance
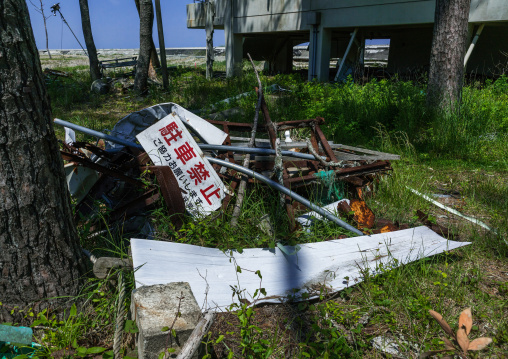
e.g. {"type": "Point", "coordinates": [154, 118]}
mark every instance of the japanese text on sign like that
{"type": "Point", "coordinates": [168, 143]}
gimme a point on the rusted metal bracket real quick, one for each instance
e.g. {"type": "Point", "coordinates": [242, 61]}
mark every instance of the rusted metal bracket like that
{"type": "Point", "coordinates": [171, 192]}
{"type": "Point", "coordinates": [108, 171]}
{"type": "Point", "coordinates": [299, 173]}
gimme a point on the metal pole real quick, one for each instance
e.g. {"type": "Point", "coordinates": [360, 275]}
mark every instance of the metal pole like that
{"type": "Point", "coordinates": [96, 133]}
{"type": "Point", "coordinates": [473, 43]}
{"type": "Point", "coordinates": [314, 49]}
{"type": "Point", "coordinates": [227, 164]}
{"type": "Point", "coordinates": [259, 151]}
{"type": "Point", "coordinates": [162, 46]}
{"type": "Point", "coordinates": [353, 35]}
{"type": "Point", "coordinates": [286, 191]}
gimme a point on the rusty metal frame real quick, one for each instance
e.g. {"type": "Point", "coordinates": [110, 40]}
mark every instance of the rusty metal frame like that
{"type": "Point", "coordinates": [318, 141]}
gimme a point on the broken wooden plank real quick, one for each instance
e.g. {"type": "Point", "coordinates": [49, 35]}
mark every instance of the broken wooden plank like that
{"type": "Point", "coordinates": [364, 154]}
{"type": "Point", "coordinates": [192, 344]}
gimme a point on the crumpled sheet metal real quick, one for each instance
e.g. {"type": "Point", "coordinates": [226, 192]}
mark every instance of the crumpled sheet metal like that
{"type": "Point", "coordinates": [306, 220]}
{"type": "Point", "coordinates": [131, 125]}
{"type": "Point", "coordinates": [336, 264]}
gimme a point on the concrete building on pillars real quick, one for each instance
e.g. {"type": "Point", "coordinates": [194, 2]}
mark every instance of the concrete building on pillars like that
{"type": "Point", "coordinates": [268, 30]}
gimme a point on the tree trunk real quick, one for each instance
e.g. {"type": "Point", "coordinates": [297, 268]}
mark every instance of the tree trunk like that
{"type": "Point", "coordinates": [210, 15]}
{"type": "Point", "coordinates": [145, 40]}
{"type": "Point", "coordinates": [447, 55]}
{"type": "Point", "coordinates": [153, 50]}
{"type": "Point", "coordinates": [40, 256]}
{"type": "Point", "coordinates": [95, 72]}
{"type": "Point", "coordinates": [162, 45]}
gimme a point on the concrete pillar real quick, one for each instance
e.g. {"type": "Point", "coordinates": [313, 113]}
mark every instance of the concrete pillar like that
{"type": "Point", "coordinates": [234, 43]}
{"type": "Point", "coordinates": [319, 54]}
{"type": "Point", "coordinates": [157, 306]}
{"type": "Point", "coordinates": [282, 61]}
{"type": "Point", "coordinates": [285, 58]}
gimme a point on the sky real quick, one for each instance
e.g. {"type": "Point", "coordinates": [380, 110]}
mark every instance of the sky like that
{"type": "Point", "coordinates": [115, 25]}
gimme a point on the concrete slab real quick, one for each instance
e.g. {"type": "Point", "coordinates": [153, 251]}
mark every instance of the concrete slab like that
{"type": "Point", "coordinates": [157, 306]}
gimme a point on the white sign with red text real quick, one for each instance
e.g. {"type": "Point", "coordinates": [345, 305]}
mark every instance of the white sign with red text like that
{"type": "Point", "coordinates": [169, 143]}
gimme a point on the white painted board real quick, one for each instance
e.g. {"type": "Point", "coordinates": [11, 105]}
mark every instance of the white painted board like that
{"type": "Point", "coordinates": [169, 143]}
{"type": "Point", "coordinates": [329, 262]}
{"type": "Point", "coordinates": [206, 130]}
{"type": "Point", "coordinates": [131, 125]}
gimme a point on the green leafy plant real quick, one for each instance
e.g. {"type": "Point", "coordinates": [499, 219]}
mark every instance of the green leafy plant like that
{"type": "Point", "coordinates": [326, 339]}
{"type": "Point", "coordinates": [252, 343]}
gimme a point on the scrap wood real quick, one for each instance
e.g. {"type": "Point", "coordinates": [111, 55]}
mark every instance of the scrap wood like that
{"type": "Point", "coordinates": [192, 344]}
{"type": "Point", "coordinates": [243, 182]}
{"type": "Point", "coordinates": [439, 229]}
{"type": "Point", "coordinates": [55, 73]}
{"type": "Point", "coordinates": [338, 263]}
{"type": "Point", "coordinates": [342, 152]}
{"type": "Point", "coordinates": [379, 166]}
{"type": "Point", "coordinates": [171, 193]}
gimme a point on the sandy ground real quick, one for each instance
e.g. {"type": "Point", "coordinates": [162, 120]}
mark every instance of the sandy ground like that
{"type": "Point", "coordinates": [59, 61]}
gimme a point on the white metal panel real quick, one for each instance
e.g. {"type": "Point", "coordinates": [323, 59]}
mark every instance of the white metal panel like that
{"type": "Point", "coordinates": [329, 262]}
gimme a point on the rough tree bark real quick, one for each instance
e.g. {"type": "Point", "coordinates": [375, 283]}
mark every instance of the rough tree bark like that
{"type": "Point", "coordinates": [162, 45]}
{"type": "Point", "coordinates": [447, 54]}
{"type": "Point", "coordinates": [145, 41]}
{"type": "Point", "coordinates": [210, 15]}
{"type": "Point", "coordinates": [40, 256]}
{"type": "Point", "coordinates": [153, 51]}
{"type": "Point", "coordinates": [95, 72]}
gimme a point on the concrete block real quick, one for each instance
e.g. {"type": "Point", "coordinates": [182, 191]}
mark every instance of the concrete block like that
{"type": "Point", "coordinates": [155, 307]}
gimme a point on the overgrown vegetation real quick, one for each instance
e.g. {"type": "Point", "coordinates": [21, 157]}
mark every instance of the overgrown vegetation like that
{"type": "Point", "coordinates": [463, 153]}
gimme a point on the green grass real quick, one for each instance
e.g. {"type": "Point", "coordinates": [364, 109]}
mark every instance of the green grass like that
{"type": "Point", "coordinates": [463, 152]}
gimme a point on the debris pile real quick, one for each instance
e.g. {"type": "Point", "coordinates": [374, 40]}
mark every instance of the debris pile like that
{"type": "Point", "coordinates": [196, 165]}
